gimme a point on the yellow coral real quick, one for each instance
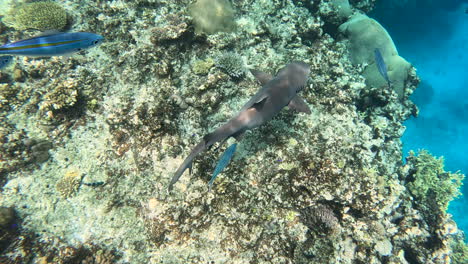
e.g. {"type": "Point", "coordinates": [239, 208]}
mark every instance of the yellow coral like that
{"type": "Point", "coordinates": [69, 184]}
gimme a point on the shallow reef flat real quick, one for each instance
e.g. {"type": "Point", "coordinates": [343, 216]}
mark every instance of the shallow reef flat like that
{"type": "Point", "coordinates": [91, 142]}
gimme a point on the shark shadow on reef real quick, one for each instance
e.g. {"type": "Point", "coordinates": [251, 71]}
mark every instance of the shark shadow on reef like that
{"type": "Point", "coordinates": [276, 93]}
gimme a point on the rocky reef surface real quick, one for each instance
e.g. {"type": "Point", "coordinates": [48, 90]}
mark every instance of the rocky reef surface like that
{"type": "Point", "coordinates": [89, 143]}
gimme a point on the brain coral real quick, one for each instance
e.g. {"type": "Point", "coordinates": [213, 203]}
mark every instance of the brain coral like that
{"type": "Point", "coordinates": [211, 16]}
{"type": "Point", "coordinates": [38, 15]}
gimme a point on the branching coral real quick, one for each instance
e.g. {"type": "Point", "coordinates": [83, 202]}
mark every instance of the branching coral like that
{"type": "Point", "coordinates": [231, 63]}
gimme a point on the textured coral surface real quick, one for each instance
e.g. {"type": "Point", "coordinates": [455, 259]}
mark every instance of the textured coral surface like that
{"type": "Point", "coordinates": [90, 143]}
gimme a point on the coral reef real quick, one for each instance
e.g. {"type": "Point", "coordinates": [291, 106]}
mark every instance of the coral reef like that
{"type": "Point", "coordinates": [46, 15]}
{"type": "Point", "coordinates": [328, 187]}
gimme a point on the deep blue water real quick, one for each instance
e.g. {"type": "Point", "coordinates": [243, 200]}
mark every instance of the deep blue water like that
{"type": "Point", "coordinates": [434, 38]}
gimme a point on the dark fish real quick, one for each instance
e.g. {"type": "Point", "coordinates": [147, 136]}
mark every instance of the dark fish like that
{"type": "Point", "coordinates": [379, 61]}
{"type": "Point", "coordinates": [5, 60]}
{"type": "Point", "coordinates": [222, 163]}
{"type": "Point", "coordinates": [56, 44]}
{"type": "Point", "coordinates": [93, 184]}
{"type": "Point", "coordinates": [276, 93]}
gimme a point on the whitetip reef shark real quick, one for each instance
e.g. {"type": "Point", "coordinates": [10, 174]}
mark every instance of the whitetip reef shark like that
{"type": "Point", "coordinates": [276, 93]}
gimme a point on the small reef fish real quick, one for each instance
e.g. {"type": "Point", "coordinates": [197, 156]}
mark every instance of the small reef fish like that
{"type": "Point", "coordinates": [379, 61]}
{"type": "Point", "coordinates": [55, 44]}
{"type": "Point", "coordinates": [93, 184]}
{"type": "Point", "coordinates": [222, 163]}
{"type": "Point", "coordinates": [276, 93]}
{"type": "Point", "coordinates": [5, 60]}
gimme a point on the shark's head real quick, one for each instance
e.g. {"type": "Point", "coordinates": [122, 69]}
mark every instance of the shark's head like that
{"type": "Point", "coordinates": [297, 74]}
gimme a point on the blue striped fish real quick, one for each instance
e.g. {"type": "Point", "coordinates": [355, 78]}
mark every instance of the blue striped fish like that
{"type": "Point", "coordinates": [56, 44]}
{"type": "Point", "coordinates": [222, 163]}
{"type": "Point", "coordinates": [5, 60]}
{"type": "Point", "coordinates": [381, 66]}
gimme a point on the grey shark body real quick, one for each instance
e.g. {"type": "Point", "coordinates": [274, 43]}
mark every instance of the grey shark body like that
{"type": "Point", "coordinates": [276, 93]}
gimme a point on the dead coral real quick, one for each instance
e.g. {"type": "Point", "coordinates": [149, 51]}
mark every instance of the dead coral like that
{"type": "Point", "coordinates": [174, 29]}
{"type": "Point", "coordinates": [8, 96]}
{"type": "Point", "coordinates": [17, 150]}
{"type": "Point", "coordinates": [63, 96]}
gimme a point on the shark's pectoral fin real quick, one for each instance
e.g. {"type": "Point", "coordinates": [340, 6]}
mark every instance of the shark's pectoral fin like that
{"type": "Point", "coordinates": [298, 104]}
{"type": "Point", "coordinates": [262, 77]}
{"type": "Point", "coordinates": [259, 104]}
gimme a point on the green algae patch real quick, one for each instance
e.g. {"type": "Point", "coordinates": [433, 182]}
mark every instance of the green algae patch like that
{"type": "Point", "coordinates": [202, 67]}
{"type": "Point", "coordinates": [429, 183]}
{"type": "Point", "coordinates": [38, 15]}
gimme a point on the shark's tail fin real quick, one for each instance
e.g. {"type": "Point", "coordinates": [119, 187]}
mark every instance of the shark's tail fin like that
{"type": "Point", "coordinates": [230, 129]}
{"type": "Point", "coordinates": [187, 163]}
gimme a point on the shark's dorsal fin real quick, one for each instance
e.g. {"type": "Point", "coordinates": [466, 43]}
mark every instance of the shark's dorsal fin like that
{"type": "Point", "coordinates": [262, 77]}
{"type": "Point", "coordinates": [298, 104]}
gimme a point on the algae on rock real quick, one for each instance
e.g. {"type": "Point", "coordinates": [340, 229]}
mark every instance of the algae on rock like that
{"type": "Point", "coordinates": [430, 184]}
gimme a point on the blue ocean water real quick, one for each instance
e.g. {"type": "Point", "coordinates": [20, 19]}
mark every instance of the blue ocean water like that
{"type": "Point", "coordinates": [433, 36]}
